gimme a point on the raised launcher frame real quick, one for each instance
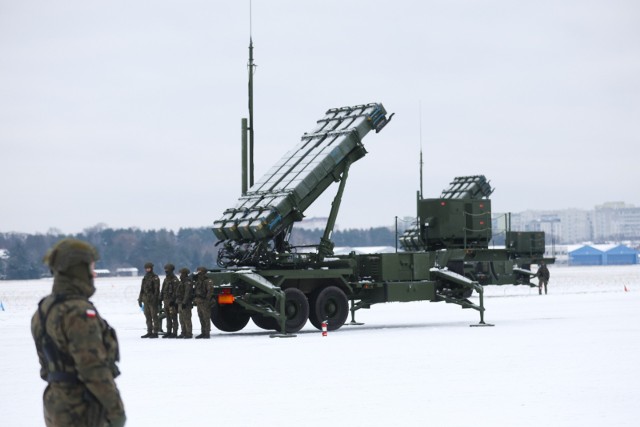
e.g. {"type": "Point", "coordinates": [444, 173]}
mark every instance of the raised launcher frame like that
{"type": "Point", "coordinates": [263, 278]}
{"type": "Point", "coordinates": [258, 227]}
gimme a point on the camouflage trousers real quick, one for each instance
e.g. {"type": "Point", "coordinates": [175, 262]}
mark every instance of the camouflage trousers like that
{"type": "Point", "coordinates": [542, 283]}
{"type": "Point", "coordinates": [185, 321]}
{"type": "Point", "coordinates": [172, 317]}
{"type": "Point", "coordinates": [151, 314]}
{"type": "Point", "coordinates": [204, 313]}
{"type": "Point", "coordinates": [71, 405]}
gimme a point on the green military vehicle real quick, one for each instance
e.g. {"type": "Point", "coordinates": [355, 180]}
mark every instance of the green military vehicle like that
{"type": "Point", "coordinates": [445, 257]}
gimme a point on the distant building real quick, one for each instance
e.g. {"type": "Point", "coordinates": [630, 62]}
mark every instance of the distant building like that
{"type": "Point", "coordinates": [616, 220]}
{"type": "Point", "coordinates": [102, 272]}
{"type": "Point", "coordinates": [129, 271]}
{"type": "Point", "coordinates": [612, 221]}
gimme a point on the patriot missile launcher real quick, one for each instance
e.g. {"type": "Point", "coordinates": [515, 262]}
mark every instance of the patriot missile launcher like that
{"type": "Point", "coordinates": [445, 258]}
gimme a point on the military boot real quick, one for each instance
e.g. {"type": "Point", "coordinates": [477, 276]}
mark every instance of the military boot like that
{"type": "Point", "coordinates": [147, 335]}
{"type": "Point", "coordinates": [153, 336]}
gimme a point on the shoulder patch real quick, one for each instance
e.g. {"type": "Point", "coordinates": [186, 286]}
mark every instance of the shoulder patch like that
{"type": "Point", "coordinates": [90, 313]}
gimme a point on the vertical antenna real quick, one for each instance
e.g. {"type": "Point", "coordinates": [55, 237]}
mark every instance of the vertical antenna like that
{"type": "Point", "coordinates": [421, 162]}
{"type": "Point", "coordinates": [251, 66]}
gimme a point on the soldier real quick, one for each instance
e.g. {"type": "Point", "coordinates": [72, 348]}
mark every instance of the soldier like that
{"type": "Point", "coordinates": [543, 277]}
{"type": "Point", "coordinates": [169, 285]}
{"type": "Point", "coordinates": [150, 297]}
{"type": "Point", "coordinates": [77, 349]}
{"type": "Point", "coordinates": [184, 297]}
{"type": "Point", "coordinates": [204, 299]}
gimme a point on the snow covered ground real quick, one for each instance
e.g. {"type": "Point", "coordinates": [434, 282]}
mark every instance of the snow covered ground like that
{"type": "Point", "coordinates": [571, 358]}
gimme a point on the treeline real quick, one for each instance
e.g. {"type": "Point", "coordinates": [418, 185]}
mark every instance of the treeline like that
{"type": "Point", "coordinates": [21, 254]}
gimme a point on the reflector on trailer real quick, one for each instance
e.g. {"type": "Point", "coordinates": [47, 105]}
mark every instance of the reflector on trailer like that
{"type": "Point", "coordinates": [226, 299]}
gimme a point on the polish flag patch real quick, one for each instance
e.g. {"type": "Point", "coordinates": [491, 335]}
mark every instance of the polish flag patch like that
{"type": "Point", "coordinates": [90, 313]}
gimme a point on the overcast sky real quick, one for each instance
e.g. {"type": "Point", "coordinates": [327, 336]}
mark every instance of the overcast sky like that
{"type": "Point", "coordinates": [128, 112]}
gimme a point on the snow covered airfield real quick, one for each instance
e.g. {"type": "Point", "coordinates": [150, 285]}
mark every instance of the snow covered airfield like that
{"type": "Point", "coordinates": [571, 358]}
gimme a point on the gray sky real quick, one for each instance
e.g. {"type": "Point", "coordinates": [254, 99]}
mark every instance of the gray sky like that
{"type": "Point", "coordinates": [128, 113]}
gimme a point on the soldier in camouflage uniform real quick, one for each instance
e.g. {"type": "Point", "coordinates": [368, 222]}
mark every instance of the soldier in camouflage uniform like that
{"type": "Point", "coordinates": [204, 299]}
{"type": "Point", "coordinates": [76, 348]}
{"type": "Point", "coordinates": [169, 285]}
{"type": "Point", "coordinates": [184, 297]}
{"type": "Point", "coordinates": [543, 277]}
{"type": "Point", "coordinates": [150, 297]}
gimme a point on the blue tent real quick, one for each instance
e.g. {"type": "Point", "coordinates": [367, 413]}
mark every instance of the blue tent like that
{"type": "Point", "coordinates": [621, 255]}
{"type": "Point", "coordinates": [586, 255]}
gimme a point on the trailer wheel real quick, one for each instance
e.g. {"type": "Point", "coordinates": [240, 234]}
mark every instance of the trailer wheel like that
{"type": "Point", "coordinates": [296, 309]}
{"type": "Point", "coordinates": [331, 304]}
{"type": "Point", "coordinates": [313, 297]}
{"type": "Point", "coordinates": [264, 322]}
{"type": "Point", "coordinates": [229, 318]}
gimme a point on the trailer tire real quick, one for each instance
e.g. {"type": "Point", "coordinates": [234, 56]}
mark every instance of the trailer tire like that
{"type": "Point", "coordinates": [313, 297]}
{"type": "Point", "coordinates": [264, 322]}
{"type": "Point", "coordinates": [229, 318]}
{"type": "Point", "coordinates": [331, 304]}
{"type": "Point", "coordinates": [296, 309]}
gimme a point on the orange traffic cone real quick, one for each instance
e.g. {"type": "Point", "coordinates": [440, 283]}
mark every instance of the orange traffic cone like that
{"type": "Point", "coordinates": [324, 328]}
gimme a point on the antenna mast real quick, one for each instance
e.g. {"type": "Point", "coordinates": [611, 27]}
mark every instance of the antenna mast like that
{"type": "Point", "coordinates": [421, 162]}
{"type": "Point", "coordinates": [251, 66]}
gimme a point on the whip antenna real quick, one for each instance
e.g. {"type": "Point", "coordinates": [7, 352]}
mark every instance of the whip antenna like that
{"type": "Point", "coordinates": [421, 162]}
{"type": "Point", "coordinates": [251, 66]}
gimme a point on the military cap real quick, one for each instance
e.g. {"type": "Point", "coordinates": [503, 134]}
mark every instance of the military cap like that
{"type": "Point", "coordinates": [169, 267]}
{"type": "Point", "coordinates": [203, 269]}
{"type": "Point", "coordinates": [68, 253]}
{"type": "Point", "coordinates": [148, 265]}
{"type": "Point", "coordinates": [184, 270]}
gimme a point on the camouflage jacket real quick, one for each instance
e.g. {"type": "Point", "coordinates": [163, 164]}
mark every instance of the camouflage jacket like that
{"type": "Point", "coordinates": [150, 289]}
{"type": "Point", "coordinates": [77, 351]}
{"type": "Point", "coordinates": [184, 291]}
{"type": "Point", "coordinates": [204, 289]}
{"type": "Point", "coordinates": [543, 273]}
{"type": "Point", "coordinates": [169, 286]}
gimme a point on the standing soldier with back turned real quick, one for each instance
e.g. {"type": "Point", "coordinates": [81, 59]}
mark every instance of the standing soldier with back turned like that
{"type": "Point", "coordinates": [168, 294]}
{"type": "Point", "coordinates": [77, 349]}
{"type": "Point", "coordinates": [184, 298]}
{"type": "Point", "coordinates": [204, 299]}
{"type": "Point", "coordinates": [150, 297]}
{"type": "Point", "coordinates": [543, 277]}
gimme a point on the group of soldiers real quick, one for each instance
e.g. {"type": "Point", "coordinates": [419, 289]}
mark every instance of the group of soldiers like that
{"type": "Point", "coordinates": [178, 296]}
